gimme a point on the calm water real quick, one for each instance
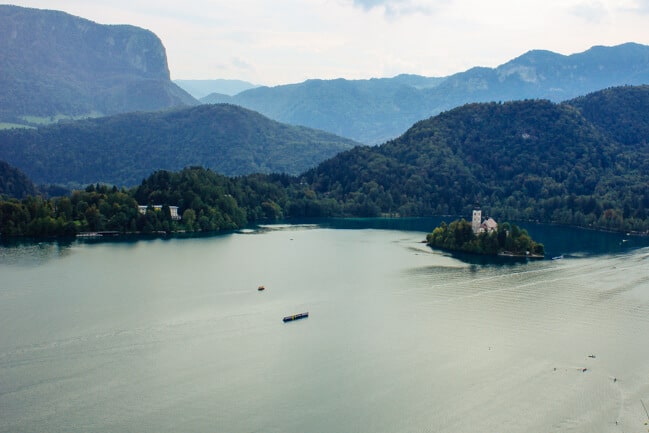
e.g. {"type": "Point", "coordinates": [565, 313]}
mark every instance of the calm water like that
{"type": "Point", "coordinates": [173, 336]}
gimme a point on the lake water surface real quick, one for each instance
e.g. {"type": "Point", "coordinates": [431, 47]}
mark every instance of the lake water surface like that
{"type": "Point", "coordinates": [173, 336]}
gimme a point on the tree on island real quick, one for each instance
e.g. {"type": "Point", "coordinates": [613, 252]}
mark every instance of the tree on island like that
{"type": "Point", "coordinates": [507, 239]}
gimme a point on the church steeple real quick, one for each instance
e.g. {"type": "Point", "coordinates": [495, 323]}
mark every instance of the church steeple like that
{"type": "Point", "coordinates": [476, 220]}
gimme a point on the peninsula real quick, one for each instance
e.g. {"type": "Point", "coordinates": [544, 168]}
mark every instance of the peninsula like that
{"type": "Point", "coordinates": [484, 237]}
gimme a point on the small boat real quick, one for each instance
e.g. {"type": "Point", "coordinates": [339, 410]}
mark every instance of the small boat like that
{"type": "Point", "coordinates": [260, 288]}
{"type": "Point", "coordinates": [558, 257]}
{"type": "Point", "coordinates": [296, 317]}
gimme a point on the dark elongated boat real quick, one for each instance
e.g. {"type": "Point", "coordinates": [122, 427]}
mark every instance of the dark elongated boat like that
{"type": "Point", "coordinates": [296, 317]}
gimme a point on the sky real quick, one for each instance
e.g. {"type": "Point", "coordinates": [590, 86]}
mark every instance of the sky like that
{"type": "Point", "coordinates": [274, 42]}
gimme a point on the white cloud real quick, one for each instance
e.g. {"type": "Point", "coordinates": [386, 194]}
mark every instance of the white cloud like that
{"type": "Point", "coordinates": [601, 10]}
{"type": "Point", "coordinates": [397, 8]}
{"type": "Point", "coordinates": [639, 6]}
{"type": "Point", "coordinates": [594, 11]}
{"type": "Point", "coordinates": [288, 41]}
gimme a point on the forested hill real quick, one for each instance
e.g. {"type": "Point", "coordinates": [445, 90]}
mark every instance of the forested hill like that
{"type": "Point", "coordinates": [55, 65]}
{"type": "Point", "coordinates": [124, 149]}
{"type": "Point", "coordinates": [14, 183]}
{"type": "Point", "coordinates": [620, 112]}
{"type": "Point", "coordinates": [526, 160]}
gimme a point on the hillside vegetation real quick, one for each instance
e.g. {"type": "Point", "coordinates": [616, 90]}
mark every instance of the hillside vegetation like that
{"type": "Point", "coordinates": [14, 183]}
{"type": "Point", "coordinates": [124, 149]}
{"type": "Point", "coordinates": [208, 202]}
{"type": "Point", "coordinates": [621, 112]}
{"type": "Point", "coordinates": [526, 160]}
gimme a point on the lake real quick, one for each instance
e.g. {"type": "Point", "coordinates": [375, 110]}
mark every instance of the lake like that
{"type": "Point", "coordinates": [171, 335]}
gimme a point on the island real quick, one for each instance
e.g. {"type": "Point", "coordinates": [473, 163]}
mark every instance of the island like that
{"type": "Point", "coordinates": [485, 237]}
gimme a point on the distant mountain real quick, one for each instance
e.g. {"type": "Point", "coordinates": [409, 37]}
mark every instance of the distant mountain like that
{"type": "Point", "coordinates": [546, 75]}
{"type": "Point", "coordinates": [124, 149]}
{"type": "Point", "coordinates": [202, 88]}
{"type": "Point", "coordinates": [373, 111]}
{"type": "Point", "coordinates": [216, 98]}
{"type": "Point", "coordinates": [56, 65]}
{"type": "Point", "coordinates": [368, 110]}
{"type": "Point", "coordinates": [14, 183]}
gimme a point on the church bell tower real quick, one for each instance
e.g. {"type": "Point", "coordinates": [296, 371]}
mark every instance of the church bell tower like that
{"type": "Point", "coordinates": [476, 221]}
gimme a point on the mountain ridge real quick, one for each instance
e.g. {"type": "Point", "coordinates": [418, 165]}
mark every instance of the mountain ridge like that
{"type": "Point", "coordinates": [59, 65]}
{"type": "Point", "coordinates": [125, 148]}
{"type": "Point", "coordinates": [200, 89]}
{"type": "Point", "coordinates": [384, 108]}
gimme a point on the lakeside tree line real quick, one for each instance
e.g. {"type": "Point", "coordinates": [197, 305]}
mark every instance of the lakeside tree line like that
{"type": "Point", "coordinates": [209, 202]}
{"type": "Point", "coordinates": [523, 160]}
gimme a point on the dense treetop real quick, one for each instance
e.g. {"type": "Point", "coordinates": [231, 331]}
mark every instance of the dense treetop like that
{"type": "Point", "coordinates": [621, 112]}
{"type": "Point", "coordinates": [206, 202]}
{"type": "Point", "coordinates": [14, 183]}
{"type": "Point", "coordinates": [508, 239]}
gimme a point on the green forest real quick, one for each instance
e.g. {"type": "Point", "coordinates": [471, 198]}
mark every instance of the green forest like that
{"type": "Point", "coordinates": [126, 148]}
{"type": "Point", "coordinates": [506, 239]}
{"type": "Point", "coordinates": [525, 160]}
{"type": "Point", "coordinates": [206, 201]}
{"type": "Point", "coordinates": [572, 163]}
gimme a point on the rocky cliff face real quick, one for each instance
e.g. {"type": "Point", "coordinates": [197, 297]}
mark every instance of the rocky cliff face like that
{"type": "Point", "coordinates": [55, 64]}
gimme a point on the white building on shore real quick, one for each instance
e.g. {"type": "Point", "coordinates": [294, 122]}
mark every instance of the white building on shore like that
{"type": "Point", "coordinates": [173, 210]}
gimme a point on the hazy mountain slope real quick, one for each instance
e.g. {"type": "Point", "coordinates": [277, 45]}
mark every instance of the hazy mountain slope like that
{"type": "Point", "coordinates": [124, 149]}
{"type": "Point", "coordinates": [216, 98]}
{"type": "Point", "coordinates": [544, 74]}
{"type": "Point", "coordinates": [55, 64]}
{"type": "Point", "coordinates": [372, 111]}
{"type": "Point", "coordinates": [14, 183]}
{"type": "Point", "coordinates": [201, 88]}
{"type": "Point", "coordinates": [369, 110]}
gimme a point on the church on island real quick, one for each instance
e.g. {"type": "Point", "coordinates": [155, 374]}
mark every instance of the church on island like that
{"type": "Point", "coordinates": [480, 226]}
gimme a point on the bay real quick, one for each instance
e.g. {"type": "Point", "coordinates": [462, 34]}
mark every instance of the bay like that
{"type": "Point", "coordinates": [172, 334]}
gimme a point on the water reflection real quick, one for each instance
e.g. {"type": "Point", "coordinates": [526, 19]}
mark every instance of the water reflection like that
{"type": "Point", "coordinates": [569, 242]}
{"type": "Point", "coordinates": [29, 252]}
{"type": "Point", "coordinates": [558, 240]}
